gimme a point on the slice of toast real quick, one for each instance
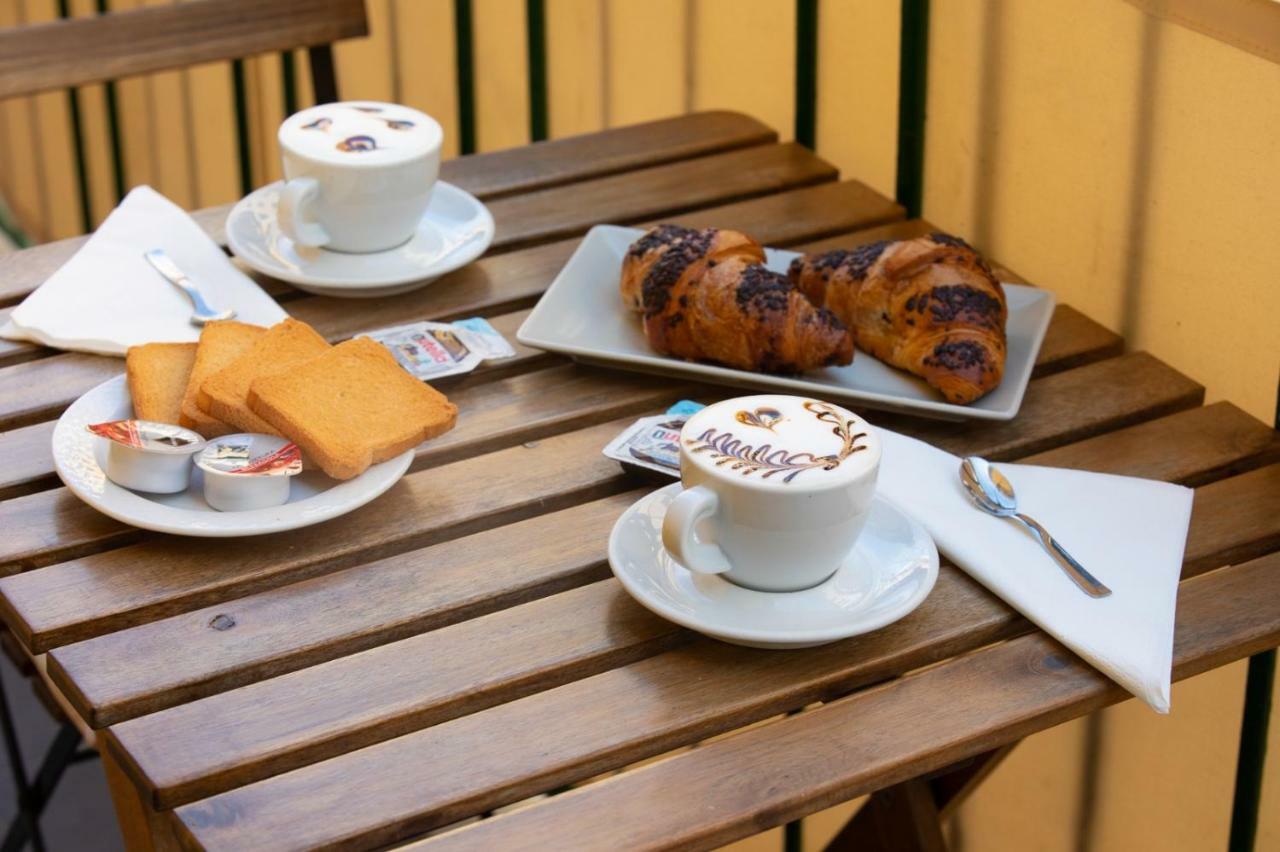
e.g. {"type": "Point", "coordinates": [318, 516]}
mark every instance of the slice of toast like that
{"type": "Point", "coordinates": [284, 347]}
{"type": "Point", "coordinates": [220, 343]}
{"type": "Point", "coordinates": [157, 375]}
{"type": "Point", "coordinates": [352, 407]}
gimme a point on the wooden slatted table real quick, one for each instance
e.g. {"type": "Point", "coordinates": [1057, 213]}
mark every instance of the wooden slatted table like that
{"type": "Point", "coordinates": [459, 646]}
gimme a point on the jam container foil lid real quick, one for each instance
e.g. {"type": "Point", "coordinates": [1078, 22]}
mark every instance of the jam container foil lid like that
{"type": "Point", "coordinates": [236, 455]}
{"type": "Point", "coordinates": [148, 435]}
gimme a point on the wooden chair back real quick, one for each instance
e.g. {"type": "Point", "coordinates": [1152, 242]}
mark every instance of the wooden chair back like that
{"type": "Point", "coordinates": [77, 51]}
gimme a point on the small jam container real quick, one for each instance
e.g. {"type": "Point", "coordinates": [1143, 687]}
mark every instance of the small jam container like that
{"type": "Point", "coordinates": [147, 456]}
{"type": "Point", "coordinates": [248, 471]}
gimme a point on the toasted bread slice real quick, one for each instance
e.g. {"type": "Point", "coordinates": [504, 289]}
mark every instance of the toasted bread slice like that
{"type": "Point", "coordinates": [352, 407]}
{"type": "Point", "coordinates": [157, 374]}
{"type": "Point", "coordinates": [285, 346]}
{"type": "Point", "coordinates": [220, 343]}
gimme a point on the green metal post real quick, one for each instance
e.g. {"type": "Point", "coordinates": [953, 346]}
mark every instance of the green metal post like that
{"type": "Point", "coordinates": [463, 50]}
{"type": "Point", "coordinates": [806, 72]}
{"type": "Point", "coordinates": [242, 126]}
{"type": "Point", "coordinates": [289, 81]}
{"type": "Point", "coordinates": [912, 85]}
{"type": "Point", "coordinates": [113, 127]}
{"type": "Point", "coordinates": [77, 137]}
{"type": "Point", "coordinates": [536, 30]}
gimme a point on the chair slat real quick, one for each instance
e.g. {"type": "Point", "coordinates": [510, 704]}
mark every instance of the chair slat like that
{"type": "Point", "coordinates": [862, 743]}
{"type": "Point", "coordinates": [77, 51]}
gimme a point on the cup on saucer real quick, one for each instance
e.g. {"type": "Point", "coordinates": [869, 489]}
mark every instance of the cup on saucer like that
{"type": "Point", "coordinates": [776, 491]}
{"type": "Point", "coordinates": [358, 175]}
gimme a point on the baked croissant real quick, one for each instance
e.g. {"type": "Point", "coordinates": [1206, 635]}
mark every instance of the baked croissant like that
{"type": "Point", "coordinates": [930, 306]}
{"type": "Point", "coordinates": [666, 252]}
{"type": "Point", "coordinates": [705, 296]}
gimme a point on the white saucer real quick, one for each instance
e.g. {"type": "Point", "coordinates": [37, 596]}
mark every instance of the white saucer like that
{"type": "Point", "coordinates": [455, 230]}
{"type": "Point", "coordinates": [889, 573]}
{"type": "Point", "coordinates": [78, 457]}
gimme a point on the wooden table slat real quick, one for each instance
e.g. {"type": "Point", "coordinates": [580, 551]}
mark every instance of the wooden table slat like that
{"type": "Point", "coordinates": [41, 389]}
{"type": "Point", "coordinates": [164, 663]}
{"type": "Point", "coordinates": [473, 763]}
{"type": "Point", "coordinates": [26, 460]}
{"type": "Point", "coordinates": [247, 733]}
{"type": "Point", "coordinates": [52, 526]}
{"type": "Point", "coordinates": [659, 191]}
{"type": "Point", "coordinates": [524, 168]}
{"type": "Point", "coordinates": [868, 741]}
{"type": "Point", "coordinates": [494, 174]}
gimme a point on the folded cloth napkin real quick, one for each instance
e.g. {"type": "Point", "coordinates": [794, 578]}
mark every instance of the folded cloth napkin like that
{"type": "Point", "coordinates": [1128, 532]}
{"type": "Point", "coordinates": [107, 298]}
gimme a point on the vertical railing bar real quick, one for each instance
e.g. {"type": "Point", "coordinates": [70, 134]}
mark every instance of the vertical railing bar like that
{"type": "Point", "coordinates": [113, 126]}
{"type": "Point", "coordinates": [77, 135]}
{"type": "Point", "coordinates": [1251, 759]}
{"type": "Point", "coordinates": [536, 32]}
{"type": "Point", "coordinates": [806, 72]}
{"type": "Point", "coordinates": [912, 86]}
{"type": "Point", "coordinates": [289, 81]}
{"type": "Point", "coordinates": [240, 96]}
{"type": "Point", "coordinates": [324, 77]}
{"type": "Point", "coordinates": [464, 57]}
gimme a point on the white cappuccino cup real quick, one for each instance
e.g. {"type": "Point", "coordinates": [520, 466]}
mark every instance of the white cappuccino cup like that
{"type": "Point", "coordinates": [776, 491]}
{"type": "Point", "coordinates": [358, 174]}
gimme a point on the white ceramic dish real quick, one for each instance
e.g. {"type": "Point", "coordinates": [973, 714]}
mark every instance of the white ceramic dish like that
{"type": "Point", "coordinates": [890, 571]}
{"type": "Point", "coordinates": [78, 457]}
{"type": "Point", "coordinates": [455, 230]}
{"type": "Point", "coordinates": [582, 315]}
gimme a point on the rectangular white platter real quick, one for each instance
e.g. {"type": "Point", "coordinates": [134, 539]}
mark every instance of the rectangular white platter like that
{"type": "Point", "coordinates": [582, 315]}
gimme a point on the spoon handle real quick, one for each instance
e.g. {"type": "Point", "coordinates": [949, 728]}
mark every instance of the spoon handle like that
{"type": "Point", "coordinates": [1088, 583]}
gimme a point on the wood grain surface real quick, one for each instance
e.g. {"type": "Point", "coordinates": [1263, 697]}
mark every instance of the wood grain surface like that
{"type": "Point", "coordinates": [528, 167]}
{"type": "Point", "coordinates": [251, 732]}
{"type": "Point", "coordinates": [41, 389]}
{"type": "Point", "coordinates": [76, 51]}
{"type": "Point", "coordinates": [177, 659]}
{"type": "Point", "coordinates": [862, 743]}
{"type": "Point", "coordinates": [459, 644]}
{"type": "Point", "coordinates": [455, 769]}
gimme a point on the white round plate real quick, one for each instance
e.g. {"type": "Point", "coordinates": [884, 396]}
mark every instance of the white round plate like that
{"type": "Point", "coordinates": [78, 456]}
{"type": "Point", "coordinates": [455, 230]}
{"type": "Point", "coordinates": [889, 573]}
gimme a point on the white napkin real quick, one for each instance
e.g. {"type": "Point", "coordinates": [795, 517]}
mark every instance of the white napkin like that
{"type": "Point", "coordinates": [1129, 533]}
{"type": "Point", "coordinates": [107, 298]}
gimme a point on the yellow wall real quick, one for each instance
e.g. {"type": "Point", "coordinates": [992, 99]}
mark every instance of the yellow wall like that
{"type": "Point", "coordinates": [1130, 165]}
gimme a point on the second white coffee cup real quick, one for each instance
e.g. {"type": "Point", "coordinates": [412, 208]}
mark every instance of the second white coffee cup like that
{"type": "Point", "coordinates": [776, 491]}
{"type": "Point", "coordinates": [358, 175]}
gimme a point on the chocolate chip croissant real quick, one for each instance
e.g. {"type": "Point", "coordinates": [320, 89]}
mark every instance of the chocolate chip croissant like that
{"type": "Point", "coordinates": [706, 296]}
{"type": "Point", "coordinates": [930, 306]}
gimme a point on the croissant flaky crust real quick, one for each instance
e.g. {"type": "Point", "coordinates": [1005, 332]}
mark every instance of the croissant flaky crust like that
{"type": "Point", "coordinates": [706, 296]}
{"type": "Point", "coordinates": [930, 306]}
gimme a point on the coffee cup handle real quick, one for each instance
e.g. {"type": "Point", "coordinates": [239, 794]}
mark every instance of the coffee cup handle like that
{"type": "Point", "coordinates": [679, 531]}
{"type": "Point", "coordinates": [296, 196]}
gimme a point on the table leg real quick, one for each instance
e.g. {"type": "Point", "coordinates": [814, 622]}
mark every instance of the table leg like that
{"type": "Point", "coordinates": [144, 828]}
{"type": "Point", "coordinates": [908, 816]}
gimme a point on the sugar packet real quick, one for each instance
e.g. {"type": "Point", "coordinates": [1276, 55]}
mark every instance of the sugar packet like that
{"type": "Point", "coordinates": [653, 443]}
{"type": "Point", "coordinates": [433, 350]}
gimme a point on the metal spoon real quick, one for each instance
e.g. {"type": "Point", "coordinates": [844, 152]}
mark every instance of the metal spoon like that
{"type": "Point", "coordinates": [203, 313]}
{"type": "Point", "coordinates": [992, 492]}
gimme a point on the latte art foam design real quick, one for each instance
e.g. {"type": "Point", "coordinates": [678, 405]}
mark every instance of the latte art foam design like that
{"type": "Point", "coordinates": [776, 439]}
{"type": "Point", "coordinates": [372, 133]}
